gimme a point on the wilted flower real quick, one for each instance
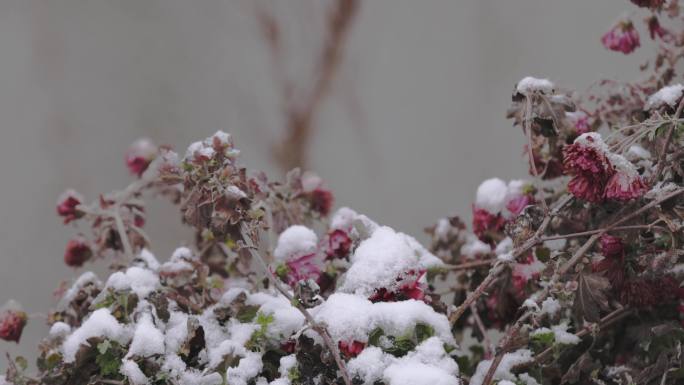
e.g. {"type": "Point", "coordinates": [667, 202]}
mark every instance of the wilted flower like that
{"type": "Point", "coordinates": [586, 161]}
{"type": "Point", "coordinates": [66, 205]}
{"type": "Point", "coordinates": [339, 244]}
{"type": "Point", "coordinates": [655, 29]}
{"type": "Point", "coordinates": [77, 251]}
{"type": "Point", "coordinates": [611, 246]}
{"type": "Point", "coordinates": [321, 200]}
{"type": "Point", "coordinates": [484, 222]}
{"type": "Point", "coordinates": [139, 156]}
{"type": "Point", "coordinates": [580, 121]}
{"type": "Point", "coordinates": [625, 185]}
{"type": "Point", "coordinates": [352, 349]}
{"type": "Point", "coordinates": [301, 268]}
{"type": "Point", "coordinates": [653, 4]}
{"type": "Point", "coordinates": [12, 324]}
{"type": "Point", "coordinates": [623, 37]}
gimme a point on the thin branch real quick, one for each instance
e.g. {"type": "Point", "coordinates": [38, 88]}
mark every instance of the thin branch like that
{"type": "Point", "coordinates": [666, 145]}
{"type": "Point", "coordinates": [470, 265]}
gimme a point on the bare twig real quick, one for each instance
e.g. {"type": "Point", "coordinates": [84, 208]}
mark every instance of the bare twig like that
{"type": "Point", "coordinates": [666, 145]}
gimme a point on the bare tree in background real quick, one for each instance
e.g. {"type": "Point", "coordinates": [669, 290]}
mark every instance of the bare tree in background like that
{"type": "Point", "coordinates": [300, 112]}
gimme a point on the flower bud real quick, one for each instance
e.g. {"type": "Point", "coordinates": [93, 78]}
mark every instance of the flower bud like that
{"type": "Point", "coordinates": [139, 156]}
{"type": "Point", "coordinates": [77, 252]}
{"type": "Point", "coordinates": [66, 205]}
{"type": "Point", "coordinates": [12, 323]}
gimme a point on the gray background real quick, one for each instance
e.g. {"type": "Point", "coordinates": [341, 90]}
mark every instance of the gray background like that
{"type": "Point", "coordinates": [415, 122]}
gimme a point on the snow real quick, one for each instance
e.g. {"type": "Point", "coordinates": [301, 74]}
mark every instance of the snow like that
{"type": "Point", "coordinates": [222, 137]}
{"type": "Point", "coordinates": [503, 371]}
{"type": "Point", "coordinates": [346, 219]}
{"type": "Point", "coordinates": [350, 317]}
{"type": "Point", "coordinates": [494, 194]}
{"type": "Point", "coordinates": [529, 85]}
{"type": "Point", "coordinates": [369, 365]}
{"type": "Point", "coordinates": [550, 306]}
{"type": "Point", "coordinates": [286, 318]}
{"type": "Point", "coordinates": [560, 334]}
{"type": "Point", "coordinates": [527, 379]}
{"type": "Point", "coordinates": [59, 329]}
{"type": "Point", "coordinates": [294, 242]}
{"type": "Point", "coordinates": [310, 181]}
{"type": "Point", "coordinates": [137, 279]}
{"type": "Point", "coordinates": [147, 339]}
{"type": "Point", "coordinates": [530, 304]}
{"type": "Point", "coordinates": [101, 323]}
{"type": "Point", "coordinates": [148, 260]}
{"type": "Point", "coordinates": [380, 259]}
{"type": "Point", "coordinates": [192, 149]}
{"type": "Point", "coordinates": [442, 229]}
{"type": "Point", "coordinates": [132, 371]}
{"type": "Point", "coordinates": [491, 195]}
{"type": "Point", "coordinates": [84, 280]}
{"type": "Point", "coordinates": [505, 246]}
{"type": "Point", "coordinates": [286, 364]}
{"type": "Point", "coordinates": [428, 364]}
{"type": "Point", "coordinates": [248, 368]}
{"type": "Point", "coordinates": [474, 247]}
{"type": "Point", "coordinates": [636, 152]}
{"type": "Point", "coordinates": [668, 95]}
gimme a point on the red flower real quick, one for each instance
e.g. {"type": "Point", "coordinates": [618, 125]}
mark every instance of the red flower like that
{"type": "Point", "coordinates": [625, 185]}
{"type": "Point", "coordinates": [352, 349]}
{"type": "Point", "coordinates": [655, 29]}
{"type": "Point", "coordinates": [321, 200]}
{"type": "Point", "coordinates": [653, 4]}
{"type": "Point", "coordinates": [586, 160]}
{"type": "Point", "coordinates": [302, 268]}
{"type": "Point", "coordinates": [66, 205]}
{"type": "Point", "coordinates": [623, 37]}
{"type": "Point", "coordinates": [612, 247]}
{"type": "Point", "coordinates": [12, 323]}
{"type": "Point", "coordinates": [485, 222]}
{"type": "Point", "coordinates": [517, 204]}
{"type": "Point", "coordinates": [139, 156]}
{"type": "Point", "coordinates": [77, 252]}
{"type": "Point", "coordinates": [410, 288]}
{"type": "Point", "coordinates": [339, 244]}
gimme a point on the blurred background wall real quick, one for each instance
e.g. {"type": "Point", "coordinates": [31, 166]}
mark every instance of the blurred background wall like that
{"type": "Point", "coordinates": [414, 122]}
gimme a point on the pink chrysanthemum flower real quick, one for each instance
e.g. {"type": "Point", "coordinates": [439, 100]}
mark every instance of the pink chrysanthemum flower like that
{"type": "Point", "coordinates": [653, 4]}
{"type": "Point", "coordinates": [302, 268]}
{"type": "Point", "coordinates": [12, 324]}
{"type": "Point", "coordinates": [625, 185]}
{"type": "Point", "coordinates": [625, 182]}
{"type": "Point", "coordinates": [66, 205]}
{"type": "Point", "coordinates": [585, 159]}
{"type": "Point", "coordinates": [77, 252]}
{"type": "Point", "coordinates": [611, 246]}
{"type": "Point", "coordinates": [139, 156]}
{"type": "Point", "coordinates": [623, 37]}
{"type": "Point", "coordinates": [339, 244]}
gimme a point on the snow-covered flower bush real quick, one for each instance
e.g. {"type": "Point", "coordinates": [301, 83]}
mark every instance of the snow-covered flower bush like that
{"type": "Point", "coordinates": [570, 276]}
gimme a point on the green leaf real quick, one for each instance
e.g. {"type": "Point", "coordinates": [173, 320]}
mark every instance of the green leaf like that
{"type": "Point", "coordinates": [374, 336]}
{"type": "Point", "coordinates": [21, 361]}
{"type": "Point", "coordinates": [424, 332]}
{"type": "Point", "coordinates": [247, 313]}
{"type": "Point", "coordinates": [109, 358]}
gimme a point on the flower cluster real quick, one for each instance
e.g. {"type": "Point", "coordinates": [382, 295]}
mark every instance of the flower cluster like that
{"type": "Point", "coordinates": [575, 273]}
